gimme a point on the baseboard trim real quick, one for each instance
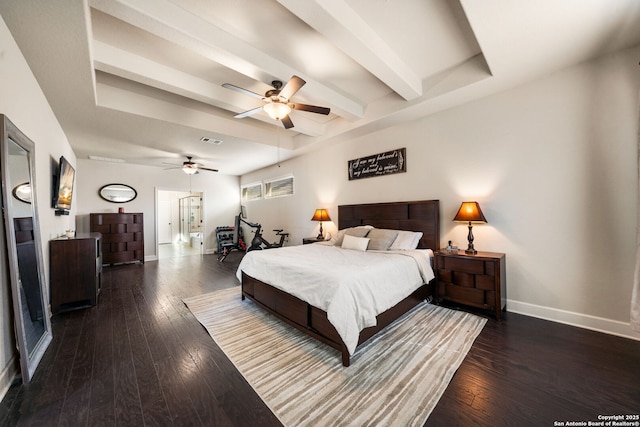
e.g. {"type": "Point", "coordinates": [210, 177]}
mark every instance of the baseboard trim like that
{"type": "Point", "coordinates": [8, 374]}
{"type": "Point", "coordinates": [594, 323]}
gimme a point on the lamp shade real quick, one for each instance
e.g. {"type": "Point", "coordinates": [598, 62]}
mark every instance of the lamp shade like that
{"type": "Point", "coordinates": [321, 215]}
{"type": "Point", "coordinates": [470, 212]}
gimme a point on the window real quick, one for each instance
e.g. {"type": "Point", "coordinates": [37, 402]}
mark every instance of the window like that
{"type": "Point", "coordinates": [252, 192]}
{"type": "Point", "coordinates": [278, 187]}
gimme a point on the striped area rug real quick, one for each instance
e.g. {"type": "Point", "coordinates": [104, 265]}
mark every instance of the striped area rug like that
{"type": "Point", "coordinates": [396, 379]}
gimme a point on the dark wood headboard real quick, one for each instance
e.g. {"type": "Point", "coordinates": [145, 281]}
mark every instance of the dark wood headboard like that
{"type": "Point", "coordinates": [421, 215]}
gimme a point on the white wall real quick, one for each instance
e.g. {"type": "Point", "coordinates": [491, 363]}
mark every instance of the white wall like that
{"type": "Point", "coordinates": [221, 196]}
{"type": "Point", "coordinates": [24, 103]}
{"type": "Point", "coordinates": [553, 165]}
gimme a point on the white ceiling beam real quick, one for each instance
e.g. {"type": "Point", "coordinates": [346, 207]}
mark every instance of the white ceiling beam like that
{"type": "Point", "coordinates": [133, 103]}
{"type": "Point", "coordinates": [171, 22]}
{"type": "Point", "coordinates": [133, 67]}
{"type": "Point", "coordinates": [113, 60]}
{"type": "Point", "coordinates": [340, 24]}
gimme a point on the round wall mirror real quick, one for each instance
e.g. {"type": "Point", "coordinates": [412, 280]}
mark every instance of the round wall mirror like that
{"type": "Point", "coordinates": [22, 192]}
{"type": "Point", "coordinates": [117, 193]}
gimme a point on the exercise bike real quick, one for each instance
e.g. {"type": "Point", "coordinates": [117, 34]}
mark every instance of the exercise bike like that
{"type": "Point", "coordinates": [259, 242]}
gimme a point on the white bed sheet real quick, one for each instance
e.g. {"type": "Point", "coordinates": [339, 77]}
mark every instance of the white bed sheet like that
{"type": "Point", "coordinates": [353, 287]}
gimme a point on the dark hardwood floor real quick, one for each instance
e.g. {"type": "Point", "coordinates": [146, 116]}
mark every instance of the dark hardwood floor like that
{"type": "Point", "coordinates": [141, 358]}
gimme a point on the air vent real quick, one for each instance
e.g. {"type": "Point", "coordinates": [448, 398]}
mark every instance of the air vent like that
{"type": "Point", "coordinates": [208, 140]}
{"type": "Point", "coordinates": [106, 159]}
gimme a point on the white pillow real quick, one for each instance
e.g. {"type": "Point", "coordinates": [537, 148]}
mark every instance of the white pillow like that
{"type": "Point", "coordinates": [406, 241]}
{"type": "Point", "coordinates": [355, 243]}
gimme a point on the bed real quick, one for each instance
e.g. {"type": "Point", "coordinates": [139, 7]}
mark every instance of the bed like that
{"type": "Point", "coordinates": [315, 318]}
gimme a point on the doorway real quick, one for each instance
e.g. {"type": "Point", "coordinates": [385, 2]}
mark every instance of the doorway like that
{"type": "Point", "coordinates": [180, 224]}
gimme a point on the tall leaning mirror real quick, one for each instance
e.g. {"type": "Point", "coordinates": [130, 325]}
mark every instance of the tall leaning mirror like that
{"type": "Point", "coordinates": [24, 252]}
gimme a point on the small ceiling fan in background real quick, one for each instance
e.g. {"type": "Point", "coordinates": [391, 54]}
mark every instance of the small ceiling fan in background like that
{"type": "Point", "coordinates": [277, 101]}
{"type": "Point", "coordinates": [190, 167]}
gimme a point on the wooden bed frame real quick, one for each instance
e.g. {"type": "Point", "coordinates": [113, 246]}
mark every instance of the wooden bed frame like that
{"type": "Point", "coordinates": [413, 216]}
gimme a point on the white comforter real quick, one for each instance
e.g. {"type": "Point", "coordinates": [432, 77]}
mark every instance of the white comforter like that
{"type": "Point", "coordinates": [353, 287]}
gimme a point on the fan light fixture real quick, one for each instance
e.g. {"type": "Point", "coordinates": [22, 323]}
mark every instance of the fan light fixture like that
{"type": "Point", "coordinates": [276, 100]}
{"type": "Point", "coordinates": [321, 215]}
{"type": "Point", "coordinates": [189, 169]}
{"type": "Point", "coordinates": [471, 212]}
{"type": "Point", "coordinates": [276, 110]}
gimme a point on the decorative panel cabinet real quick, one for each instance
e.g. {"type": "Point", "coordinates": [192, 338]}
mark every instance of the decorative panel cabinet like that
{"type": "Point", "coordinates": [76, 271]}
{"type": "Point", "coordinates": [475, 280]}
{"type": "Point", "coordinates": [122, 236]}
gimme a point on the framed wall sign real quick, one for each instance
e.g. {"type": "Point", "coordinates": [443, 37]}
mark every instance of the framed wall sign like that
{"type": "Point", "coordinates": [391, 162]}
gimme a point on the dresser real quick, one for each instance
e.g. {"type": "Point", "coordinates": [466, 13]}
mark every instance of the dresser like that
{"type": "Point", "coordinates": [122, 236]}
{"type": "Point", "coordinates": [75, 271]}
{"type": "Point", "coordinates": [476, 280]}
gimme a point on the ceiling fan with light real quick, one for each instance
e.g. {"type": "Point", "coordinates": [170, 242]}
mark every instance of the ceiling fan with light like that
{"type": "Point", "coordinates": [277, 101]}
{"type": "Point", "coordinates": [190, 167]}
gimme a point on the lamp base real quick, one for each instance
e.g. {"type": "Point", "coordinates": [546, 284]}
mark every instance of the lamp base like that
{"type": "Point", "coordinates": [470, 249]}
{"type": "Point", "coordinates": [320, 235]}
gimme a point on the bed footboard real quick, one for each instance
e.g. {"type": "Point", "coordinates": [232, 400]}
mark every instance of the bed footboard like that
{"type": "Point", "coordinates": [313, 321]}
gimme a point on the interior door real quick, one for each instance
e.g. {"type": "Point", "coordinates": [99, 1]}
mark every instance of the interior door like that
{"type": "Point", "coordinates": [165, 230]}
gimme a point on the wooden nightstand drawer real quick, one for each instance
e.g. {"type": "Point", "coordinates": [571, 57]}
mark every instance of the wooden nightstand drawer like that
{"type": "Point", "coordinates": [461, 278]}
{"type": "Point", "coordinates": [487, 283]}
{"type": "Point", "coordinates": [464, 295]}
{"type": "Point", "coordinates": [472, 266]}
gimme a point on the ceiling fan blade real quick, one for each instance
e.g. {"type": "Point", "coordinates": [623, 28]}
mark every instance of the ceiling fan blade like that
{"type": "Point", "coordinates": [248, 113]}
{"type": "Point", "coordinates": [242, 90]}
{"type": "Point", "coordinates": [293, 85]}
{"type": "Point", "coordinates": [286, 122]}
{"type": "Point", "coordinates": [311, 108]}
{"type": "Point", "coordinates": [207, 169]}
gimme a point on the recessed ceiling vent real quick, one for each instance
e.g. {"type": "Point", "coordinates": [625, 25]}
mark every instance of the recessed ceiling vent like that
{"type": "Point", "coordinates": [208, 140]}
{"type": "Point", "coordinates": [106, 159]}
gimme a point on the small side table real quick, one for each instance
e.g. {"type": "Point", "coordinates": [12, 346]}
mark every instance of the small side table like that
{"type": "Point", "coordinates": [476, 280]}
{"type": "Point", "coordinates": [307, 240]}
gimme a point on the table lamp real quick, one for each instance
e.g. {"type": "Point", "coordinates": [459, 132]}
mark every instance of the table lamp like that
{"type": "Point", "coordinates": [470, 212]}
{"type": "Point", "coordinates": [321, 215]}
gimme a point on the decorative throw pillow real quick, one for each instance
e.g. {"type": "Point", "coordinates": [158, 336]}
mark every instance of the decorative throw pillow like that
{"type": "Point", "coordinates": [406, 240]}
{"type": "Point", "coordinates": [355, 243]}
{"type": "Point", "coordinates": [381, 239]}
{"type": "Point", "coordinates": [359, 231]}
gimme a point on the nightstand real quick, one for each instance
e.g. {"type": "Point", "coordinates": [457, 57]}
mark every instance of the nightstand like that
{"type": "Point", "coordinates": [307, 240]}
{"type": "Point", "coordinates": [475, 280]}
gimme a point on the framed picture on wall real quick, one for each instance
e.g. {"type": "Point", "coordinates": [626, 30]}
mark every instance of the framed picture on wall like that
{"type": "Point", "coordinates": [390, 162]}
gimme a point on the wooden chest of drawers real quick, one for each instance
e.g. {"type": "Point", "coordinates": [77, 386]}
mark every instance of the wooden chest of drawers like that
{"type": "Point", "coordinates": [475, 280]}
{"type": "Point", "coordinates": [122, 236]}
{"type": "Point", "coordinates": [75, 271]}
